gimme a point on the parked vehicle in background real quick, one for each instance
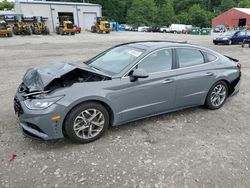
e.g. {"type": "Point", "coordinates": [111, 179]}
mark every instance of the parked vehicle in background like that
{"type": "Point", "coordinates": [77, 29]}
{"type": "Point", "coordinates": [5, 29]}
{"type": "Point", "coordinates": [164, 29]}
{"type": "Point", "coordinates": [153, 29]}
{"type": "Point", "coordinates": [231, 37]}
{"type": "Point", "coordinates": [125, 83]}
{"type": "Point", "coordinates": [143, 29]}
{"type": "Point", "coordinates": [187, 30]}
{"type": "Point", "coordinates": [128, 27]}
{"type": "Point", "coordinates": [220, 28]}
{"type": "Point", "coordinates": [20, 27]}
{"type": "Point", "coordinates": [177, 28]}
{"type": "Point", "coordinates": [38, 26]}
{"type": "Point", "coordinates": [101, 25]}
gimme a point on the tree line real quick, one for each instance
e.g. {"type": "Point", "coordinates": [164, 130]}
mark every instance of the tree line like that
{"type": "Point", "coordinates": [159, 12]}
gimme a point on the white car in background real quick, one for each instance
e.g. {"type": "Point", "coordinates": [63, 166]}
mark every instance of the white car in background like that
{"type": "Point", "coordinates": [164, 29]}
{"type": "Point", "coordinates": [143, 29]}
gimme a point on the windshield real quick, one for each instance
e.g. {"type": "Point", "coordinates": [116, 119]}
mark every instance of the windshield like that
{"type": "Point", "coordinates": [115, 60]}
{"type": "Point", "coordinates": [228, 33]}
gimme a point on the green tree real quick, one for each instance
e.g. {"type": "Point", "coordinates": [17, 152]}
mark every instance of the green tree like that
{"type": "Point", "coordinates": [166, 13]}
{"type": "Point", "coordinates": [244, 4]}
{"type": "Point", "coordinates": [142, 12]}
{"type": "Point", "coordinates": [182, 18]}
{"type": "Point", "coordinates": [6, 5]}
{"type": "Point", "coordinates": [226, 5]}
{"type": "Point", "coordinates": [199, 17]}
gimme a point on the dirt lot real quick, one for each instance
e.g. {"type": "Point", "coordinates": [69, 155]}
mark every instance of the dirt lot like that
{"type": "Point", "coordinates": [190, 148]}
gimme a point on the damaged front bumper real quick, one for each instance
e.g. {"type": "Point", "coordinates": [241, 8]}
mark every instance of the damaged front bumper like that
{"type": "Point", "coordinates": [38, 123]}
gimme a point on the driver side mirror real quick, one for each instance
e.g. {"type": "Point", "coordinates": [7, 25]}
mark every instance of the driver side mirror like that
{"type": "Point", "coordinates": [138, 73]}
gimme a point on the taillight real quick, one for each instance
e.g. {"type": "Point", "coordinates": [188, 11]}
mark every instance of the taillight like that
{"type": "Point", "coordinates": [239, 66]}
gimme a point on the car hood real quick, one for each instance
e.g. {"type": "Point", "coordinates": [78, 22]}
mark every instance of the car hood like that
{"type": "Point", "coordinates": [36, 79]}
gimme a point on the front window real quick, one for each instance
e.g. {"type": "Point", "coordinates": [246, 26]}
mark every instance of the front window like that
{"type": "Point", "coordinates": [115, 60]}
{"type": "Point", "coordinates": [157, 62]}
{"type": "Point", "coordinates": [2, 26]}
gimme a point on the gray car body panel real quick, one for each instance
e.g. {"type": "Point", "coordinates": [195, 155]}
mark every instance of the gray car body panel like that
{"type": "Point", "coordinates": [129, 101]}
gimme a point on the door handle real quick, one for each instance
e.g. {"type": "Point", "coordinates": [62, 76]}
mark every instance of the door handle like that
{"type": "Point", "coordinates": [209, 74]}
{"type": "Point", "coordinates": [167, 81]}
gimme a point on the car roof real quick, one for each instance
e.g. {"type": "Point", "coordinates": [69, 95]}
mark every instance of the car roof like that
{"type": "Point", "coordinates": [153, 45]}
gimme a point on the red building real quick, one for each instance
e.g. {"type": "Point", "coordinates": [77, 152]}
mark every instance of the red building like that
{"type": "Point", "coordinates": [235, 17]}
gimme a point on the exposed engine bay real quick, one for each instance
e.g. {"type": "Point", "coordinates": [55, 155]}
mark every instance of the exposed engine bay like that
{"type": "Point", "coordinates": [75, 76]}
{"type": "Point", "coordinates": [41, 80]}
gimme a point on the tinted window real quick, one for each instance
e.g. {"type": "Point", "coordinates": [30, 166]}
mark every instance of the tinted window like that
{"type": "Point", "coordinates": [157, 61]}
{"type": "Point", "coordinates": [189, 57]}
{"type": "Point", "coordinates": [241, 33]}
{"type": "Point", "coordinates": [210, 57]}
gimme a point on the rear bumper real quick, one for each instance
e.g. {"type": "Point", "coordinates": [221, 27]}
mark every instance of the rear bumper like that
{"type": "Point", "coordinates": [236, 84]}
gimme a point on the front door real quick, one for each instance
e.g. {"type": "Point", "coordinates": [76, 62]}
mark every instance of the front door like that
{"type": "Point", "coordinates": [147, 96]}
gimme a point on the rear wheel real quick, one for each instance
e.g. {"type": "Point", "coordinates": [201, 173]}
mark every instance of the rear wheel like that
{"type": "Point", "coordinates": [86, 122]}
{"type": "Point", "coordinates": [217, 95]}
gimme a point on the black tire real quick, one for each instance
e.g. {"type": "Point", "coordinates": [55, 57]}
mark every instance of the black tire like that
{"type": "Point", "coordinates": [71, 117]}
{"type": "Point", "coordinates": [47, 32]}
{"type": "Point", "coordinates": [164, 31]}
{"type": "Point", "coordinates": [215, 43]}
{"type": "Point", "coordinates": [10, 34]}
{"type": "Point", "coordinates": [208, 102]}
{"type": "Point", "coordinates": [73, 33]}
{"type": "Point", "coordinates": [61, 31]}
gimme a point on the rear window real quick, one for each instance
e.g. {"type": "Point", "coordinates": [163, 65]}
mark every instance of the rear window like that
{"type": "Point", "coordinates": [210, 57]}
{"type": "Point", "coordinates": [189, 57]}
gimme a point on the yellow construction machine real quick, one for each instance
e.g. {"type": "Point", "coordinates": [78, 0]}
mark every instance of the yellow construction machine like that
{"type": "Point", "coordinates": [101, 25]}
{"type": "Point", "coordinates": [66, 27]}
{"type": "Point", "coordinates": [20, 27]}
{"type": "Point", "coordinates": [5, 29]}
{"type": "Point", "coordinates": [38, 26]}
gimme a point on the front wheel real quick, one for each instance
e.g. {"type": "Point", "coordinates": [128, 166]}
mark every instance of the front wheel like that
{"type": "Point", "coordinates": [217, 95]}
{"type": "Point", "coordinates": [86, 122]}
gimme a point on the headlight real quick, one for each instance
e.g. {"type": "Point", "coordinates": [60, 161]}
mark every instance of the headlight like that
{"type": "Point", "coordinates": [40, 104]}
{"type": "Point", "coordinates": [225, 38]}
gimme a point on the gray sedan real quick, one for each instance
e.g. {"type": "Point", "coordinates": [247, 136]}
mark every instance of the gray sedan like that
{"type": "Point", "coordinates": [125, 83]}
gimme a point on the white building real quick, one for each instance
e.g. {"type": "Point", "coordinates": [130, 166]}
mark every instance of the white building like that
{"type": "Point", "coordinates": [82, 14]}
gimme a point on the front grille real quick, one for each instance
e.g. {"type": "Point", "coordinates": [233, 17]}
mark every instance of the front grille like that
{"type": "Point", "coordinates": [18, 107]}
{"type": "Point", "coordinates": [70, 26]}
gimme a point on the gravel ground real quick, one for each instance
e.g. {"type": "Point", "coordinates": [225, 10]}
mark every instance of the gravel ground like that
{"type": "Point", "coordinates": [190, 148]}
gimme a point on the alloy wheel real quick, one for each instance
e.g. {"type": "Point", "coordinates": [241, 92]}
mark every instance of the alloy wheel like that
{"type": "Point", "coordinates": [89, 123]}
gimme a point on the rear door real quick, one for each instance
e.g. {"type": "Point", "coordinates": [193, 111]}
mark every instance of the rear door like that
{"type": "Point", "coordinates": [194, 75]}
